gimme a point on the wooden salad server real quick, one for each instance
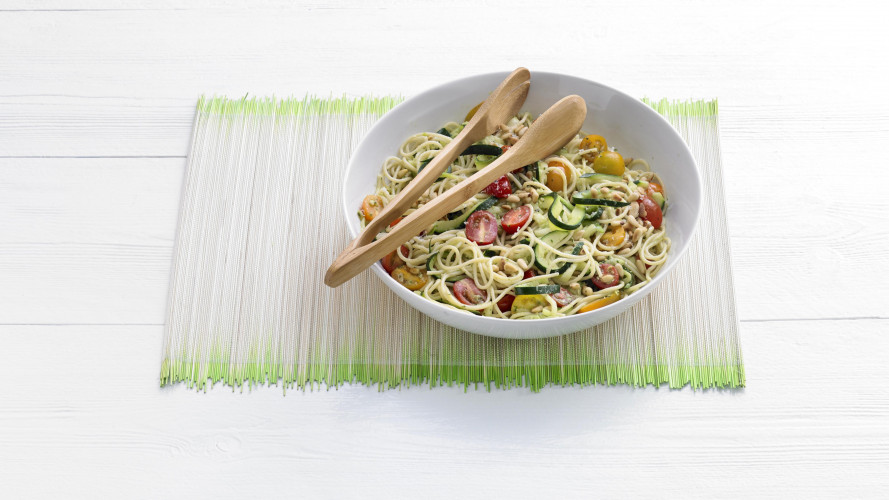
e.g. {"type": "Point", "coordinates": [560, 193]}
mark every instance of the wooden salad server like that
{"type": "Point", "coordinates": [547, 134]}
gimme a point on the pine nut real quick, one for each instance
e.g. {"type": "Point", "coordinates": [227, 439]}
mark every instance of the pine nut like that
{"type": "Point", "coordinates": [574, 287]}
{"type": "Point", "coordinates": [587, 291]}
{"type": "Point", "coordinates": [511, 268]}
{"type": "Point", "coordinates": [534, 195]}
{"type": "Point", "coordinates": [608, 278]}
{"type": "Point", "coordinates": [512, 198]}
{"type": "Point", "coordinates": [522, 263]}
{"type": "Point", "coordinates": [495, 268]}
{"type": "Point", "coordinates": [506, 207]}
{"type": "Point", "coordinates": [638, 233]}
{"type": "Point", "coordinates": [402, 172]}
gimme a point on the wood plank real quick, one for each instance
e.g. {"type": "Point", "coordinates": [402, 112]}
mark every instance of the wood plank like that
{"type": "Point", "coordinates": [312, 47]}
{"type": "Point", "coordinates": [92, 415]}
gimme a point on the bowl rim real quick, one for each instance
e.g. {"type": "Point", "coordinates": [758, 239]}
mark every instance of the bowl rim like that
{"type": "Point", "coordinates": [494, 323]}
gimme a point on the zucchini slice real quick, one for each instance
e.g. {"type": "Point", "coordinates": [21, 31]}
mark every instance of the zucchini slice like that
{"type": "Point", "coordinates": [565, 217]}
{"type": "Point", "coordinates": [542, 257]}
{"type": "Point", "coordinates": [482, 149]}
{"type": "Point", "coordinates": [443, 131]}
{"type": "Point", "coordinates": [581, 200]}
{"type": "Point", "coordinates": [597, 178]}
{"type": "Point", "coordinates": [547, 200]}
{"type": "Point", "coordinates": [460, 221]}
{"type": "Point", "coordinates": [430, 260]}
{"type": "Point", "coordinates": [537, 289]}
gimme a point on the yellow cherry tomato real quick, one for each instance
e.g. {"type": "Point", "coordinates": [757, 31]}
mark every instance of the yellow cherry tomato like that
{"type": "Point", "coordinates": [371, 206]}
{"type": "Point", "coordinates": [609, 162]}
{"type": "Point", "coordinates": [594, 141]}
{"type": "Point", "coordinates": [411, 277]}
{"type": "Point", "coordinates": [525, 303]}
{"type": "Point", "coordinates": [614, 237]}
{"type": "Point", "coordinates": [554, 181]}
{"type": "Point", "coordinates": [604, 301]}
{"type": "Point", "coordinates": [473, 111]}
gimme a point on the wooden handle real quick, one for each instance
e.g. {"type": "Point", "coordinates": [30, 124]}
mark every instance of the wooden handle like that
{"type": "Point", "coordinates": [503, 103]}
{"type": "Point", "coordinates": [547, 134]}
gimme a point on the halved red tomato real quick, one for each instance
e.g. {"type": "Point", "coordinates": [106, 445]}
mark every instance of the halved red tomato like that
{"type": "Point", "coordinates": [481, 227]}
{"type": "Point", "coordinates": [505, 304]}
{"type": "Point", "coordinates": [610, 276]}
{"type": "Point", "coordinates": [468, 292]}
{"type": "Point", "coordinates": [515, 219]}
{"type": "Point", "coordinates": [563, 298]}
{"type": "Point", "coordinates": [499, 188]}
{"type": "Point", "coordinates": [649, 210]}
{"type": "Point", "coordinates": [530, 273]}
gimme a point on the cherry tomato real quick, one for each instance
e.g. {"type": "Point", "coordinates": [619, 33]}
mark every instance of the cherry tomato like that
{"type": "Point", "coordinates": [614, 237]}
{"type": "Point", "coordinates": [650, 211]}
{"type": "Point", "coordinates": [563, 298]}
{"type": "Point", "coordinates": [396, 221]}
{"type": "Point", "coordinates": [553, 179]}
{"type": "Point", "coordinates": [505, 304]}
{"type": "Point", "coordinates": [604, 301]}
{"type": "Point", "coordinates": [607, 270]}
{"type": "Point", "coordinates": [469, 293]}
{"type": "Point", "coordinates": [473, 111]}
{"type": "Point", "coordinates": [499, 188]}
{"type": "Point", "coordinates": [411, 277]}
{"type": "Point", "coordinates": [371, 206]}
{"type": "Point", "coordinates": [530, 273]}
{"type": "Point", "coordinates": [609, 162]}
{"type": "Point", "coordinates": [481, 227]}
{"type": "Point", "coordinates": [392, 260]}
{"type": "Point", "coordinates": [515, 219]}
{"type": "Point", "coordinates": [528, 302]}
{"type": "Point", "coordinates": [594, 141]}
{"type": "Point", "coordinates": [505, 148]}
{"type": "Point", "coordinates": [654, 187]}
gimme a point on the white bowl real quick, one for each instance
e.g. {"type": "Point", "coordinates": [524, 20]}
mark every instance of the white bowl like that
{"type": "Point", "coordinates": [626, 122]}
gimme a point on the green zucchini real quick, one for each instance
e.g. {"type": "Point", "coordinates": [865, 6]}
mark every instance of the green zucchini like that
{"type": "Point", "coordinates": [541, 172]}
{"type": "Point", "coordinates": [557, 215]}
{"type": "Point", "coordinates": [475, 149]}
{"type": "Point", "coordinates": [597, 178]}
{"type": "Point", "coordinates": [537, 289]}
{"type": "Point", "coordinates": [491, 253]}
{"type": "Point", "coordinates": [595, 215]}
{"type": "Point", "coordinates": [658, 198]}
{"type": "Point", "coordinates": [581, 200]}
{"type": "Point", "coordinates": [482, 161]}
{"type": "Point", "coordinates": [458, 222]}
{"type": "Point", "coordinates": [544, 259]}
{"type": "Point", "coordinates": [482, 149]}
{"type": "Point", "coordinates": [443, 131]}
{"type": "Point", "coordinates": [430, 260]}
{"type": "Point", "coordinates": [547, 200]}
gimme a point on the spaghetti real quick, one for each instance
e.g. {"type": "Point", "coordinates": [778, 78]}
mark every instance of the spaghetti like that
{"type": "Point", "coordinates": [571, 233]}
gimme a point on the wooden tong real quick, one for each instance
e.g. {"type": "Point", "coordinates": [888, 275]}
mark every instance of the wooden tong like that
{"type": "Point", "coordinates": [547, 134]}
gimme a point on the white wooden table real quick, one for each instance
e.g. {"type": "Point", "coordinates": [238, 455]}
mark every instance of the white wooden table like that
{"type": "Point", "coordinates": [96, 103]}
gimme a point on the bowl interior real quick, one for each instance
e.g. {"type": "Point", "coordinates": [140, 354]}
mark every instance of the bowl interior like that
{"type": "Point", "coordinates": [628, 124]}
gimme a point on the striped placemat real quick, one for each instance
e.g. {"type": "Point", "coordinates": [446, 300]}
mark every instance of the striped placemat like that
{"type": "Point", "coordinates": [260, 222]}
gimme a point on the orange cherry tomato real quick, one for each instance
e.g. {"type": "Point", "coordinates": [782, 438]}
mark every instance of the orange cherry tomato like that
{"type": "Point", "coordinates": [473, 111]}
{"type": "Point", "coordinates": [609, 162]}
{"type": "Point", "coordinates": [554, 181]}
{"type": "Point", "coordinates": [655, 187]}
{"type": "Point", "coordinates": [371, 206]}
{"type": "Point", "coordinates": [594, 141]}
{"type": "Point", "coordinates": [392, 261]}
{"type": "Point", "coordinates": [614, 237]}
{"type": "Point", "coordinates": [604, 301]}
{"type": "Point", "coordinates": [411, 277]}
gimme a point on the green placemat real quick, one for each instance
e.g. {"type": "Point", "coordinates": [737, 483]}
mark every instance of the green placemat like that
{"type": "Point", "coordinates": [260, 222]}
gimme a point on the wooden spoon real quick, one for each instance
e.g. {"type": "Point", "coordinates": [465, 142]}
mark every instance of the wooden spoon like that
{"type": "Point", "coordinates": [548, 133]}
